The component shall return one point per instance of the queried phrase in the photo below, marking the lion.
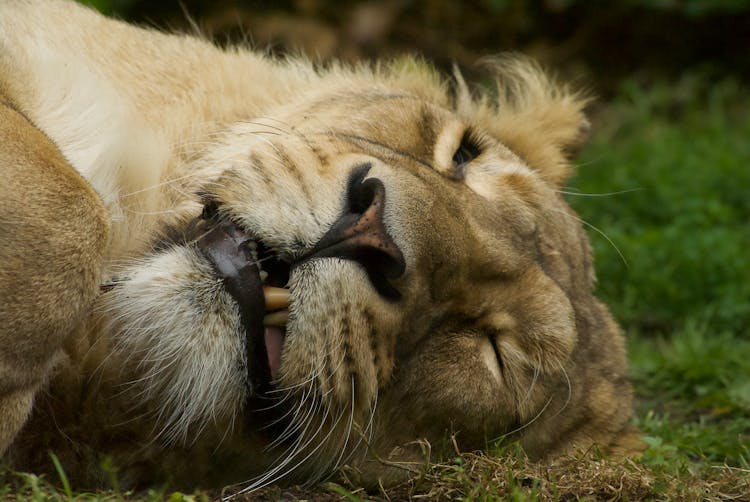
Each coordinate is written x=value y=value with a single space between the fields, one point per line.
x=221 y=267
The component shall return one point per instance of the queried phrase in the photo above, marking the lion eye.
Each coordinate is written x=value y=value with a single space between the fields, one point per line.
x=467 y=151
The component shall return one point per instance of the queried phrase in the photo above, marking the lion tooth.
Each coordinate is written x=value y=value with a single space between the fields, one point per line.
x=276 y=298
x=279 y=318
x=252 y=248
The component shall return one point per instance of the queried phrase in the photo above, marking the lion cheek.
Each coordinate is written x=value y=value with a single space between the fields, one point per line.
x=449 y=388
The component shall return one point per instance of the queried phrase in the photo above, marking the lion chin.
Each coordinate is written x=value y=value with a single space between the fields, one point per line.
x=218 y=267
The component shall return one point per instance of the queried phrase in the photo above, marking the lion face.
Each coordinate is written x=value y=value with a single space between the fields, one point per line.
x=370 y=265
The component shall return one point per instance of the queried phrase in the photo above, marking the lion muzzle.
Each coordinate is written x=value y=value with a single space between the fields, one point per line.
x=360 y=234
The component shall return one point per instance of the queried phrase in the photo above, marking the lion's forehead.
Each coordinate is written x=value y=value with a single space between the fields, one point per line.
x=400 y=121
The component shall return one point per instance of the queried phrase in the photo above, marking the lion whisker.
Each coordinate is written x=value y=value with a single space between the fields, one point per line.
x=527 y=424
x=265 y=482
x=349 y=428
x=531 y=387
x=597 y=230
x=160 y=184
x=605 y=194
x=229 y=430
x=257 y=121
x=303 y=383
x=292 y=427
x=325 y=468
x=287 y=455
x=277 y=401
x=570 y=392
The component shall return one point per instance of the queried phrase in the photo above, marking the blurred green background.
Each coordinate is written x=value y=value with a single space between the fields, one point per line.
x=664 y=184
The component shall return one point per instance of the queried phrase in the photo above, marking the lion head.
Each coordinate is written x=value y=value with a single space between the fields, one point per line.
x=382 y=258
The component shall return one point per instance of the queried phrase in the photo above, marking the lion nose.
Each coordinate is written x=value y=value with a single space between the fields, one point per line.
x=360 y=234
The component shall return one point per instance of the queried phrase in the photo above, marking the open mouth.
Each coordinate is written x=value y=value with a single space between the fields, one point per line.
x=257 y=281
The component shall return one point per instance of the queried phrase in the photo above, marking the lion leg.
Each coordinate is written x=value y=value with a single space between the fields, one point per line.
x=53 y=230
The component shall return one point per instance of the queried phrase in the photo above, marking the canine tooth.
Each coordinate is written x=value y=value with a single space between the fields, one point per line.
x=263 y=275
x=276 y=298
x=279 y=318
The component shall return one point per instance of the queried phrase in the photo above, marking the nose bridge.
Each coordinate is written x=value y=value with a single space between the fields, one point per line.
x=360 y=233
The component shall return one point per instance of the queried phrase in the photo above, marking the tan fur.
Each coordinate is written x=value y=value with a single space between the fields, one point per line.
x=156 y=372
x=54 y=231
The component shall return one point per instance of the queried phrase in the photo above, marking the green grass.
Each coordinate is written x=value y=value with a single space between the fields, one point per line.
x=30 y=487
x=680 y=155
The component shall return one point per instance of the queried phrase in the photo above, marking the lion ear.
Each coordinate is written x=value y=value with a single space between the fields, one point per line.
x=541 y=121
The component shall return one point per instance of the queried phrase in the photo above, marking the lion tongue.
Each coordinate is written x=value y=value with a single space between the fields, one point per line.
x=274 y=338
